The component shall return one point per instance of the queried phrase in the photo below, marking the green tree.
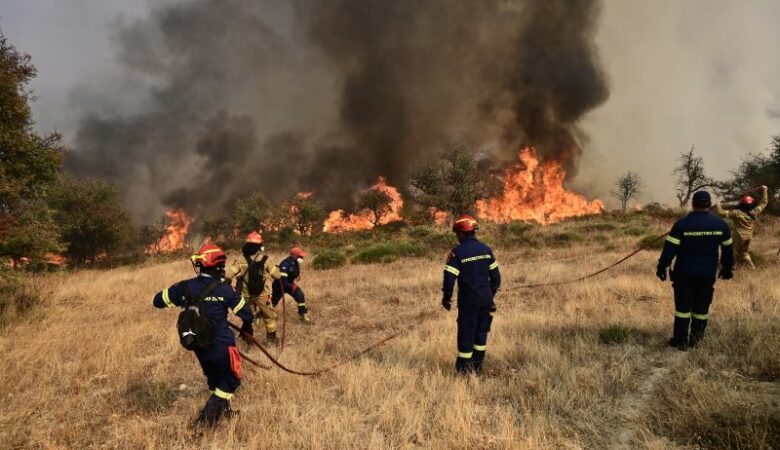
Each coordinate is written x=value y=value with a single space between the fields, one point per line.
x=31 y=233
x=215 y=226
x=755 y=170
x=256 y=212
x=376 y=201
x=91 y=218
x=29 y=163
x=453 y=184
x=307 y=214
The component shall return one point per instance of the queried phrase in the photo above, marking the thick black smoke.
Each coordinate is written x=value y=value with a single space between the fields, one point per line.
x=241 y=95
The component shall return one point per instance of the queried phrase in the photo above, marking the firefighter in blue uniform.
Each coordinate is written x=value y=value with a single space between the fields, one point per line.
x=290 y=271
x=694 y=242
x=475 y=269
x=220 y=361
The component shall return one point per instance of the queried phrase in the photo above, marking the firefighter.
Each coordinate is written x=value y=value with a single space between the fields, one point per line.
x=475 y=268
x=220 y=361
x=743 y=218
x=252 y=286
x=694 y=242
x=290 y=269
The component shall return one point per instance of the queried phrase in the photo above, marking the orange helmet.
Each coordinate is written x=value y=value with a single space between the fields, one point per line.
x=254 y=238
x=297 y=252
x=747 y=200
x=465 y=224
x=209 y=255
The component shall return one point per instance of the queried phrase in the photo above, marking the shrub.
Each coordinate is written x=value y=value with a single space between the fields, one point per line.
x=635 y=230
x=651 y=242
x=518 y=228
x=329 y=259
x=378 y=253
x=564 y=237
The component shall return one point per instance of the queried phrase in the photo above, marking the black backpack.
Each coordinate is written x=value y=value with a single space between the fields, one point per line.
x=194 y=328
x=255 y=277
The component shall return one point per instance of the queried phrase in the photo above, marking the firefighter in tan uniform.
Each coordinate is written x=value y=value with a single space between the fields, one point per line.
x=744 y=218
x=250 y=281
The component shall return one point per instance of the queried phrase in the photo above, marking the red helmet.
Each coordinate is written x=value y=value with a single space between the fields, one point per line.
x=747 y=200
x=297 y=252
x=465 y=224
x=209 y=255
x=254 y=238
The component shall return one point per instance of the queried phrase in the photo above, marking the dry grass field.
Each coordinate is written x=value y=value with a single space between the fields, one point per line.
x=582 y=366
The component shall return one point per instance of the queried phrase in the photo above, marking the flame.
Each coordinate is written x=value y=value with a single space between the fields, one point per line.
x=55 y=259
x=533 y=190
x=338 y=221
x=175 y=232
x=440 y=218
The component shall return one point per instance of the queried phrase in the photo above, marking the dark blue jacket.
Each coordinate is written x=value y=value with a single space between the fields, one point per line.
x=290 y=270
x=694 y=241
x=475 y=268
x=216 y=303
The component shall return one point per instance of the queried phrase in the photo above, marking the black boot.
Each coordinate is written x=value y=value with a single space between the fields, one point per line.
x=680 y=336
x=212 y=411
x=464 y=366
x=270 y=338
x=476 y=360
x=679 y=345
x=697 y=331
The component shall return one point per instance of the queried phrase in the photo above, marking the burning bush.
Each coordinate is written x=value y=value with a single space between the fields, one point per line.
x=533 y=190
x=379 y=207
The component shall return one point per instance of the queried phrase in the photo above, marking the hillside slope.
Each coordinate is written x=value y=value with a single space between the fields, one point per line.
x=578 y=366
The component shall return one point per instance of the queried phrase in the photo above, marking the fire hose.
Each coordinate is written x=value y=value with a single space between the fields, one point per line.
x=248 y=337
x=275 y=360
x=599 y=272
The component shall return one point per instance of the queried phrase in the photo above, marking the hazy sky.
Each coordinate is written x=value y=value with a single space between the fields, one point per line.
x=681 y=73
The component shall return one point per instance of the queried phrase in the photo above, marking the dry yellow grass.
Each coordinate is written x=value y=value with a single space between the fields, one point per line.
x=98 y=367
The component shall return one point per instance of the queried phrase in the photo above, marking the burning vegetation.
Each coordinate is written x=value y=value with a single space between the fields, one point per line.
x=376 y=211
x=175 y=232
x=534 y=191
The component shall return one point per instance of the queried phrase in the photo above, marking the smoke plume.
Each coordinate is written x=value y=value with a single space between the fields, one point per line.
x=225 y=97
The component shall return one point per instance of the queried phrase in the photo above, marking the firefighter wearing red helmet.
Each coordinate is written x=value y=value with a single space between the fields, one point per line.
x=290 y=269
x=249 y=274
x=474 y=267
x=219 y=359
x=743 y=218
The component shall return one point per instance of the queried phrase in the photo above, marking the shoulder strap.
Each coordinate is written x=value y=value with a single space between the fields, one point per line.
x=203 y=294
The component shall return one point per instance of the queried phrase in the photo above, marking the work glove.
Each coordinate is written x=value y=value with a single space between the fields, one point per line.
x=660 y=272
x=246 y=329
x=726 y=273
x=446 y=303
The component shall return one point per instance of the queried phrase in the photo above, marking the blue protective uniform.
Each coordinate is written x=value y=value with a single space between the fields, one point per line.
x=290 y=271
x=214 y=360
x=474 y=267
x=694 y=242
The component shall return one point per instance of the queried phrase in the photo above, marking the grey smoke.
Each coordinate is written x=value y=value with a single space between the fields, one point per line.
x=240 y=95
